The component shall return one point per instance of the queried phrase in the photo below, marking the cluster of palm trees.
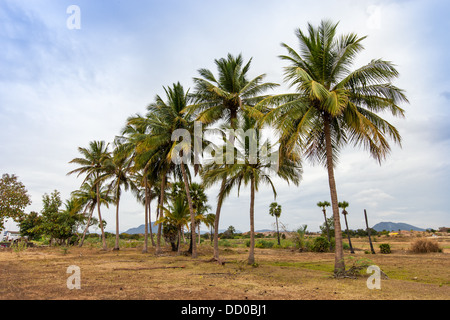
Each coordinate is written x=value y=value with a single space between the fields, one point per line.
x=330 y=106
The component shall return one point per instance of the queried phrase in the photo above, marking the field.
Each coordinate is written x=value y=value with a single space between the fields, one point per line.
x=279 y=274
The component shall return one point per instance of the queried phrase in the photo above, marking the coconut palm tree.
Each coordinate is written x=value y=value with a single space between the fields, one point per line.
x=171 y=118
x=275 y=211
x=118 y=170
x=223 y=98
x=254 y=169
x=176 y=214
x=344 y=205
x=92 y=165
x=333 y=105
x=87 y=195
x=324 y=205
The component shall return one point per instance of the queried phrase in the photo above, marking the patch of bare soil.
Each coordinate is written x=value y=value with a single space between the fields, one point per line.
x=41 y=273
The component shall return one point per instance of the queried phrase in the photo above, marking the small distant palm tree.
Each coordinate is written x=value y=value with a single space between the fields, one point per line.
x=275 y=211
x=344 y=205
x=324 y=205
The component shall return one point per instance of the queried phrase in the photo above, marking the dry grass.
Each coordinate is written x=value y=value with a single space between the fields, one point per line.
x=281 y=274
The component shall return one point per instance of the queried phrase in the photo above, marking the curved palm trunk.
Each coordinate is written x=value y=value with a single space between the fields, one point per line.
x=161 y=213
x=251 y=254
x=105 y=247
x=87 y=227
x=339 y=264
x=191 y=210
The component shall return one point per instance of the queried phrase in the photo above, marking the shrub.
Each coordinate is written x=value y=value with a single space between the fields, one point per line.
x=425 y=246
x=264 y=244
x=320 y=244
x=385 y=248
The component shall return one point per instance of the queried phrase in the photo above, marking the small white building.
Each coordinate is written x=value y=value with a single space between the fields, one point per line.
x=12 y=236
x=2 y=233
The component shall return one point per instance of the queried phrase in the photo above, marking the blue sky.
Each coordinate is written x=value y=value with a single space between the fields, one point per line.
x=61 y=88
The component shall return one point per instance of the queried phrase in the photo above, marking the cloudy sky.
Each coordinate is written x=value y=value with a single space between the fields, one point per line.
x=61 y=88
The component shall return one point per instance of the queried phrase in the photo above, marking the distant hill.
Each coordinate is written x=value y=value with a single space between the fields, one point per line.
x=392 y=226
x=141 y=229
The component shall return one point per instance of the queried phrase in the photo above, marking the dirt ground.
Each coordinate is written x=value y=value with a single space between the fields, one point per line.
x=280 y=274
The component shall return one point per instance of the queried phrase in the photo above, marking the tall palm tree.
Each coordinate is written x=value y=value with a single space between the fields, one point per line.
x=170 y=117
x=117 y=169
x=253 y=169
x=209 y=222
x=223 y=98
x=344 y=205
x=92 y=164
x=334 y=105
x=324 y=206
x=275 y=211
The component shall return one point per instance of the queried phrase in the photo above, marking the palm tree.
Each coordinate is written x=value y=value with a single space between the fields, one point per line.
x=178 y=215
x=250 y=169
x=87 y=195
x=170 y=117
x=224 y=97
x=275 y=211
x=344 y=205
x=333 y=105
x=92 y=164
x=209 y=222
x=324 y=205
x=117 y=168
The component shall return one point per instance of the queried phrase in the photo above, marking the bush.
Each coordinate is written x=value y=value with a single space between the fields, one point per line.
x=264 y=244
x=425 y=246
x=320 y=244
x=385 y=248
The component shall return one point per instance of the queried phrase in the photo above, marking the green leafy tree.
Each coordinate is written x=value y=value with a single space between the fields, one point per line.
x=14 y=199
x=333 y=105
x=27 y=225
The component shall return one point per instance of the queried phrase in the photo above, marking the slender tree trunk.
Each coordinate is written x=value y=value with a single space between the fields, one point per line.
x=368 y=232
x=278 y=232
x=348 y=234
x=116 y=247
x=105 y=247
x=191 y=210
x=150 y=217
x=251 y=254
x=145 y=249
x=216 y=221
x=87 y=227
x=161 y=213
x=328 y=228
x=339 y=264
x=179 y=241
x=199 y=238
